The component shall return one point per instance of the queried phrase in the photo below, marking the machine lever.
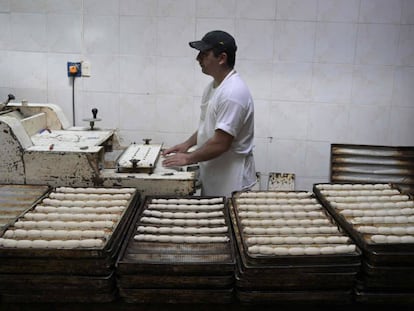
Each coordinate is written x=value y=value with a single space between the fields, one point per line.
x=134 y=163
x=94 y=119
x=94 y=112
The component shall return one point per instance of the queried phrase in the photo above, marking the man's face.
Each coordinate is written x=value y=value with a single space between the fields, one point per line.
x=208 y=61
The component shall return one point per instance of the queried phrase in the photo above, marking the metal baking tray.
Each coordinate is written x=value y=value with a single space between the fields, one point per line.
x=111 y=244
x=389 y=258
x=373 y=164
x=387 y=277
x=172 y=296
x=258 y=270
x=86 y=261
x=69 y=266
x=386 y=249
x=249 y=259
x=176 y=258
x=387 y=298
x=59 y=296
x=28 y=282
x=175 y=281
x=293 y=279
x=15 y=200
x=342 y=297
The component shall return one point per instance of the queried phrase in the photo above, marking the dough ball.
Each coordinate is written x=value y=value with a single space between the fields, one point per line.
x=378 y=238
x=312 y=250
x=24 y=244
x=295 y=251
x=327 y=250
x=40 y=244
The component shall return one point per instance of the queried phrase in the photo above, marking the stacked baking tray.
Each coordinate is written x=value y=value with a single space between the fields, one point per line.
x=64 y=248
x=179 y=250
x=290 y=250
x=15 y=200
x=381 y=221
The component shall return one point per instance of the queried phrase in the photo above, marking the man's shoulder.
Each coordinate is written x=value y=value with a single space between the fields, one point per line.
x=235 y=88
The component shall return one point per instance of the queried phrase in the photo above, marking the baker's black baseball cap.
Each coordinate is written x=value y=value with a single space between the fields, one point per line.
x=214 y=39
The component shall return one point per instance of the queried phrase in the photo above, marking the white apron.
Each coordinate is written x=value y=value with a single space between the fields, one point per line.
x=224 y=174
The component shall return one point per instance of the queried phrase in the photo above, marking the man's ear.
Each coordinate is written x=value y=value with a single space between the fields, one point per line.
x=223 y=58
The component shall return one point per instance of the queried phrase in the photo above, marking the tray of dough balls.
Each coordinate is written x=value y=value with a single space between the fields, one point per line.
x=16 y=199
x=75 y=224
x=289 y=227
x=379 y=216
x=291 y=277
x=175 y=235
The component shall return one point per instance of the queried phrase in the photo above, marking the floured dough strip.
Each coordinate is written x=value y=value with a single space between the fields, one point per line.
x=373 y=192
x=395 y=230
x=181 y=230
x=58 y=224
x=182 y=222
x=153 y=213
x=300 y=250
x=188 y=201
x=287 y=214
x=282 y=207
x=290 y=230
x=79 y=203
x=353 y=186
x=276 y=201
x=186 y=207
x=48 y=234
x=373 y=205
x=389 y=239
x=275 y=240
x=53 y=244
x=275 y=194
x=70 y=216
x=95 y=190
x=180 y=238
x=382 y=220
x=378 y=198
x=79 y=210
x=375 y=212
x=284 y=222
x=89 y=196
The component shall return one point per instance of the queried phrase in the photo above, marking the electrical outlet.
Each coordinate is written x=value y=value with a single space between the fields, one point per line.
x=86 y=69
x=74 y=69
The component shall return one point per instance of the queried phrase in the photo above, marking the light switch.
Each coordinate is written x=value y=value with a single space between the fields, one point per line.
x=86 y=69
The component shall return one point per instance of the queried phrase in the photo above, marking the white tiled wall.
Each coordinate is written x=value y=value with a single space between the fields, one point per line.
x=321 y=71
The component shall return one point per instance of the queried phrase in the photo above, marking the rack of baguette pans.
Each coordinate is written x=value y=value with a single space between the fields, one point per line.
x=63 y=246
x=178 y=250
x=341 y=243
x=289 y=249
x=380 y=219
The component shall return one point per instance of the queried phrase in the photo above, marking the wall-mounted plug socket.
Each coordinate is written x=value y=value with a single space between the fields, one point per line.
x=74 y=69
x=86 y=69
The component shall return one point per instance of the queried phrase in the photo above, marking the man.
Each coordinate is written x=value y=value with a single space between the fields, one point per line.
x=225 y=134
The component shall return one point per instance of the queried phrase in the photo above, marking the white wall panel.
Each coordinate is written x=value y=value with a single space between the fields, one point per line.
x=320 y=71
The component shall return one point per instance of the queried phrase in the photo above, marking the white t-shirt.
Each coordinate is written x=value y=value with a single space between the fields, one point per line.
x=230 y=108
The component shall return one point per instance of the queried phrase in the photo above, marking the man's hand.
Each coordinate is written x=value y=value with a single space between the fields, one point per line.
x=177 y=159
x=176 y=149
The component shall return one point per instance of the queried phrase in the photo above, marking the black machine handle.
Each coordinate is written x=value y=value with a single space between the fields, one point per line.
x=94 y=112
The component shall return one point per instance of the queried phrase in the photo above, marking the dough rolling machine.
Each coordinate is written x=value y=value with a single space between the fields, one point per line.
x=41 y=147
